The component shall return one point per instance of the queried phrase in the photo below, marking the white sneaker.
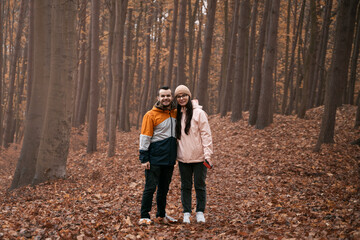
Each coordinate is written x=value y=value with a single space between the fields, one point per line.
x=186 y=218
x=200 y=217
x=145 y=221
x=171 y=219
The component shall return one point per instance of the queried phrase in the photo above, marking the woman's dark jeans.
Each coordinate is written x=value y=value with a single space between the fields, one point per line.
x=188 y=171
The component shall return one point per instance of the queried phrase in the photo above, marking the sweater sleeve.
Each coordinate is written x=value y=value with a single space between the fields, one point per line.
x=147 y=129
x=205 y=132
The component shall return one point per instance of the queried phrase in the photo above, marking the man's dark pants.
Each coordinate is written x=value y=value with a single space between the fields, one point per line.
x=160 y=177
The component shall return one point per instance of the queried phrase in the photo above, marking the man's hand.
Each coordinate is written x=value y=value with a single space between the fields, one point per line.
x=146 y=165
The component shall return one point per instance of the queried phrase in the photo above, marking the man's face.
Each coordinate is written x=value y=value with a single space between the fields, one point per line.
x=165 y=97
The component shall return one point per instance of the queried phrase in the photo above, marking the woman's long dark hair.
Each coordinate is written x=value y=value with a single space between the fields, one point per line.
x=189 y=113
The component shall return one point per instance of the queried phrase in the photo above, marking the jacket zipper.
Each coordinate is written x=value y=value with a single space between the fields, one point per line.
x=171 y=123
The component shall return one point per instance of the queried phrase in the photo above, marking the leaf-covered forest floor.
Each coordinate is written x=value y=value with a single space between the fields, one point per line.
x=266 y=184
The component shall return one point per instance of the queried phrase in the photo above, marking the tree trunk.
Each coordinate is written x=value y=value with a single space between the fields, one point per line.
x=338 y=70
x=140 y=72
x=205 y=61
x=357 y=117
x=292 y=60
x=351 y=23
x=147 y=67
x=1 y=73
x=121 y=8
x=310 y=62
x=82 y=56
x=54 y=144
x=94 y=75
x=139 y=76
x=110 y=77
x=120 y=56
x=83 y=107
x=9 y=121
x=354 y=60
x=192 y=19
x=125 y=89
x=19 y=96
x=243 y=35
x=181 y=76
x=25 y=168
x=225 y=53
x=266 y=95
x=155 y=76
x=135 y=59
x=198 y=47
x=226 y=86
x=30 y=68
x=286 y=80
x=322 y=54
x=172 y=44
x=251 y=55
x=254 y=103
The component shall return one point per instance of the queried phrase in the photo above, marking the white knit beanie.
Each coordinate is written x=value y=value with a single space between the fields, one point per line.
x=182 y=89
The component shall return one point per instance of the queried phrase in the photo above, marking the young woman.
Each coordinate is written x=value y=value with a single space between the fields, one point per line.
x=194 y=147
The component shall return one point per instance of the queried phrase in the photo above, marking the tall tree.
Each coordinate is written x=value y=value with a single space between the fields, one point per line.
x=144 y=98
x=1 y=71
x=198 y=48
x=172 y=44
x=181 y=76
x=157 y=29
x=338 y=70
x=125 y=89
x=296 y=38
x=286 y=80
x=320 y=67
x=120 y=16
x=310 y=62
x=357 y=117
x=254 y=103
x=136 y=59
x=30 y=68
x=354 y=60
x=26 y=165
x=266 y=95
x=240 y=70
x=192 y=18
x=251 y=55
x=9 y=121
x=16 y=130
x=226 y=86
x=79 y=108
x=94 y=81
x=84 y=97
x=110 y=77
x=225 y=53
x=202 y=90
x=54 y=143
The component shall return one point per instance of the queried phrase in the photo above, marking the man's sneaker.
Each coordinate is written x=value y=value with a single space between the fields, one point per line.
x=170 y=219
x=200 y=217
x=162 y=220
x=145 y=221
x=186 y=218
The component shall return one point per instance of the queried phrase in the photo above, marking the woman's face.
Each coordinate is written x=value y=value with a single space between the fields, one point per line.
x=182 y=99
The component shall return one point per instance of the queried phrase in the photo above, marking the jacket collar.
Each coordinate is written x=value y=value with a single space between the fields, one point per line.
x=159 y=106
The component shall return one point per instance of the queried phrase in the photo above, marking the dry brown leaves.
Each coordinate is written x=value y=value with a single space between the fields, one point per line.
x=266 y=184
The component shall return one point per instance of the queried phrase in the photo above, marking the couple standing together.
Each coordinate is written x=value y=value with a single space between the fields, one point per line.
x=171 y=133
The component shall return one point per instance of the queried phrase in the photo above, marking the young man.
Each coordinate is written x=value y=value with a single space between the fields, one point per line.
x=158 y=155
